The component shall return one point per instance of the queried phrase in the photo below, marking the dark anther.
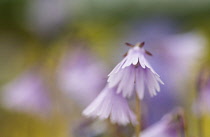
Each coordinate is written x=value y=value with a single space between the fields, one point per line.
x=125 y=54
x=128 y=44
x=148 y=53
x=141 y=44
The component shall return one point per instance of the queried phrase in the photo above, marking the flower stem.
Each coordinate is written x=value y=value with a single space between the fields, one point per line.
x=200 y=126
x=186 y=131
x=185 y=126
x=116 y=131
x=138 y=115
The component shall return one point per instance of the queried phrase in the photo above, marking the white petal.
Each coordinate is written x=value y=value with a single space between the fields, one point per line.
x=152 y=82
x=114 y=79
x=118 y=67
x=135 y=59
x=140 y=82
x=142 y=61
x=95 y=104
x=110 y=104
x=128 y=89
x=122 y=84
x=128 y=61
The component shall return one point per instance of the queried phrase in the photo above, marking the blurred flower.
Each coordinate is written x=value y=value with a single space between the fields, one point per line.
x=27 y=93
x=179 y=53
x=171 y=125
x=47 y=17
x=202 y=103
x=81 y=77
x=135 y=71
x=113 y=105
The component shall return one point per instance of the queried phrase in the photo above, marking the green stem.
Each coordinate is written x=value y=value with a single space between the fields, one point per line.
x=200 y=126
x=138 y=116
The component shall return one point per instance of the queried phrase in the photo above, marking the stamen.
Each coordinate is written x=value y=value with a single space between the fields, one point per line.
x=141 y=44
x=148 y=53
x=125 y=54
x=128 y=44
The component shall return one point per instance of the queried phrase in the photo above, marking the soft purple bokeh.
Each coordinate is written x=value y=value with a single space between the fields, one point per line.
x=171 y=125
x=81 y=77
x=48 y=17
x=27 y=93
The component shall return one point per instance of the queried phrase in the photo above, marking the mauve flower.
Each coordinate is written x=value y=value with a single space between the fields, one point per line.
x=81 y=77
x=134 y=73
x=27 y=93
x=179 y=53
x=171 y=125
x=109 y=104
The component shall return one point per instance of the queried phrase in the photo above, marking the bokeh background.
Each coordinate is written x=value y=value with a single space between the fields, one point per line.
x=55 y=56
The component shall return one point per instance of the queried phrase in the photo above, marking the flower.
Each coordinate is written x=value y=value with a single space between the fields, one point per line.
x=134 y=73
x=27 y=93
x=80 y=77
x=109 y=104
x=177 y=52
x=171 y=125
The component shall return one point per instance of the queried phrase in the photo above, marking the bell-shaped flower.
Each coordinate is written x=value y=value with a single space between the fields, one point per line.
x=135 y=73
x=109 y=104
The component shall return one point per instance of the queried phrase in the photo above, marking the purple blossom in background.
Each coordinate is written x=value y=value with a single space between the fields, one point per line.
x=113 y=105
x=81 y=77
x=134 y=73
x=27 y=93
x=48 y=17
x=171 y=125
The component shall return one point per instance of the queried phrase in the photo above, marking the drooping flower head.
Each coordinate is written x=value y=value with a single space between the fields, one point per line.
x=27 y=93
x=132 y=73
x=135 y=73
x=171 y=125
x=109 y=104
x=173 y=52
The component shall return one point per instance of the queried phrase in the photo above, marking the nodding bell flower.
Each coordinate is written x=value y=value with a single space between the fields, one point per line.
x=132 y=73
x=171 y=125
x=109 y=104
x=135 y=73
